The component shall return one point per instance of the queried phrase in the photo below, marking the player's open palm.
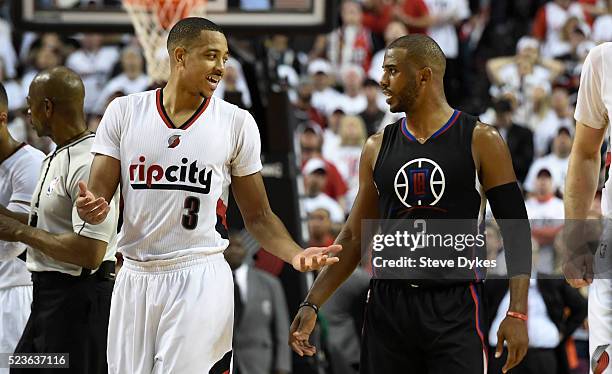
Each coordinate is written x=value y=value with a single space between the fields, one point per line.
x=90 y=209
x=315 y=258
x=514 y=332
x=299 y=333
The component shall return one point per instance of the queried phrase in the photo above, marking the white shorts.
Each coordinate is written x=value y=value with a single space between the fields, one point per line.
x=172 y=317
x=600 y=325
x=15 y=306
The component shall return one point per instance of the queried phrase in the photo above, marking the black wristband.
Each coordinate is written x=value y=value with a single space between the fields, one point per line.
x=311 y=305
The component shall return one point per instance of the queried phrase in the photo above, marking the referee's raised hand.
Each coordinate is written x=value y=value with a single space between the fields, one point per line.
x=90 y=209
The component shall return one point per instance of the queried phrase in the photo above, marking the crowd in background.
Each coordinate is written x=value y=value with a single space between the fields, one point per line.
x=515 y=63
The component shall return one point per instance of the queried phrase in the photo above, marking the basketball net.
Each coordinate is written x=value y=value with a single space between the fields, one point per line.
x=152 y=20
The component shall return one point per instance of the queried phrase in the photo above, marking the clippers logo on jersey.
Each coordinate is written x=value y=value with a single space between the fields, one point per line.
x=186 y=177
x=419 y=182
x=173 y=141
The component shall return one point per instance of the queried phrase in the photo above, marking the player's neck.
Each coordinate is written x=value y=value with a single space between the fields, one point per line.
x=8 y=147
x=428 y=117
x=177 y=99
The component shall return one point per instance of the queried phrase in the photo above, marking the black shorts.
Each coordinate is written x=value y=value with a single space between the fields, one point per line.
x=69 y=315
x=423 y=330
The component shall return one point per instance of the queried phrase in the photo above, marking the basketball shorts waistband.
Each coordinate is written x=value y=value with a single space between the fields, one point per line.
x=172 y=264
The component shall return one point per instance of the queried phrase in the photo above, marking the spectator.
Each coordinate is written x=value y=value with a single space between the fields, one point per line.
x=344 y=315
x=556 y=162
x=331 y=135
x=549 y=113
x=518 y=138
x=16 y=98
x=94 y=63
x=372 y=115
x=352 y=42
x=556 y=310
x=441 y=19
x=323 y=96
x=519 y=75
x=549 y=22
x=545 y=211
x=315 y=176
x=415 y=15
x=304 y=110
x=43 y=58
x=495 y=249
x=233 y=87
x=279 y=53
x=393 y=31
x=353 y=101
x=131 y=80
x=7 y=51
x=353 y=136
x=377 y=14
x=320 y=228
x=602 y=28
x=310 y=147
x=261 y=318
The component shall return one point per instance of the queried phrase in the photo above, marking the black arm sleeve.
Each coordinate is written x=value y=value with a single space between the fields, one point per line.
x=509 y=211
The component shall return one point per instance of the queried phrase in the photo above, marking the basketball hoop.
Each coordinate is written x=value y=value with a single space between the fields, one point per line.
x=152 y=20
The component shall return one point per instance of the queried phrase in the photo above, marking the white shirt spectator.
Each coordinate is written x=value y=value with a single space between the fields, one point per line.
x=123 y=84
x=336 y=213
x=602 y=29
x=541 y=329
x=445 y=34
x=545 y=129
x=351 y=105
x=551 y=17
x=94 y=69
x=376 y=70
x=7 y=52
x=16 y=99
x=557 y=167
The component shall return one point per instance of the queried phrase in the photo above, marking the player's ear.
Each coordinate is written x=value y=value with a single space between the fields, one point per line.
x=179 y=55
x=425 y=75
x=48 y=107
x=3 y=117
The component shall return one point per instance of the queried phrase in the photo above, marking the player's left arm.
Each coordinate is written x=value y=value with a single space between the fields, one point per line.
x=250 y=194
x=494 y=167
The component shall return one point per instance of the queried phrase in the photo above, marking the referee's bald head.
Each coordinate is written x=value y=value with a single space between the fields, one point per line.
x=60 y=85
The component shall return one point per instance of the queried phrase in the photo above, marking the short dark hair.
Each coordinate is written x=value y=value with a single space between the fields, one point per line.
x=188 y=29
x=3 y=98
x=421 y=49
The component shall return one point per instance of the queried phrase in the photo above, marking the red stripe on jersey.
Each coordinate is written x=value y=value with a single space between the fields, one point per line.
x=221 y=210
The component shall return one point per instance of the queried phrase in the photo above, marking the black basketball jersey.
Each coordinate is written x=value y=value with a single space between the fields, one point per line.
x=433 y=180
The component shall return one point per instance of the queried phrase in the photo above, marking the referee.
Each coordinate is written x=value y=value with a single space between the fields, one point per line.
x=72 y=263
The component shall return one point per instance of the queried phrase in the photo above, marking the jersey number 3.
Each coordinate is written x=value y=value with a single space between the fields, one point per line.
x=190 y=220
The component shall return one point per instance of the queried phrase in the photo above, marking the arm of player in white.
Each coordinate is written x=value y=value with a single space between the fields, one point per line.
x=95 y=195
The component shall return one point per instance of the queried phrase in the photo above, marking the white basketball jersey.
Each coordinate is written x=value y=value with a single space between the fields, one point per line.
x=175 y=180
x=18 y=176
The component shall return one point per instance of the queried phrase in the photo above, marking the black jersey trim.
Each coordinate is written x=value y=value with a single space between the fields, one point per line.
x=159 y=101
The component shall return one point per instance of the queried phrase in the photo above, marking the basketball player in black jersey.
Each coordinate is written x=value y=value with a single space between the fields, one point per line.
x=429 y=328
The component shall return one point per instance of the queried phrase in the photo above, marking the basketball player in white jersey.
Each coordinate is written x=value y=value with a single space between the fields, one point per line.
x=593 y=114
x=19 y=169
x=176 y=150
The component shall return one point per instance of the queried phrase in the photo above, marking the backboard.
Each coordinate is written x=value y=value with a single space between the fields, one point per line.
x=235 y=16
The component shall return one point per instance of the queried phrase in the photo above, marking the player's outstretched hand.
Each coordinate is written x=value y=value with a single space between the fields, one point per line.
x=90 y=209
x=299 y=333
x=514 y=332
x=315 y=258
